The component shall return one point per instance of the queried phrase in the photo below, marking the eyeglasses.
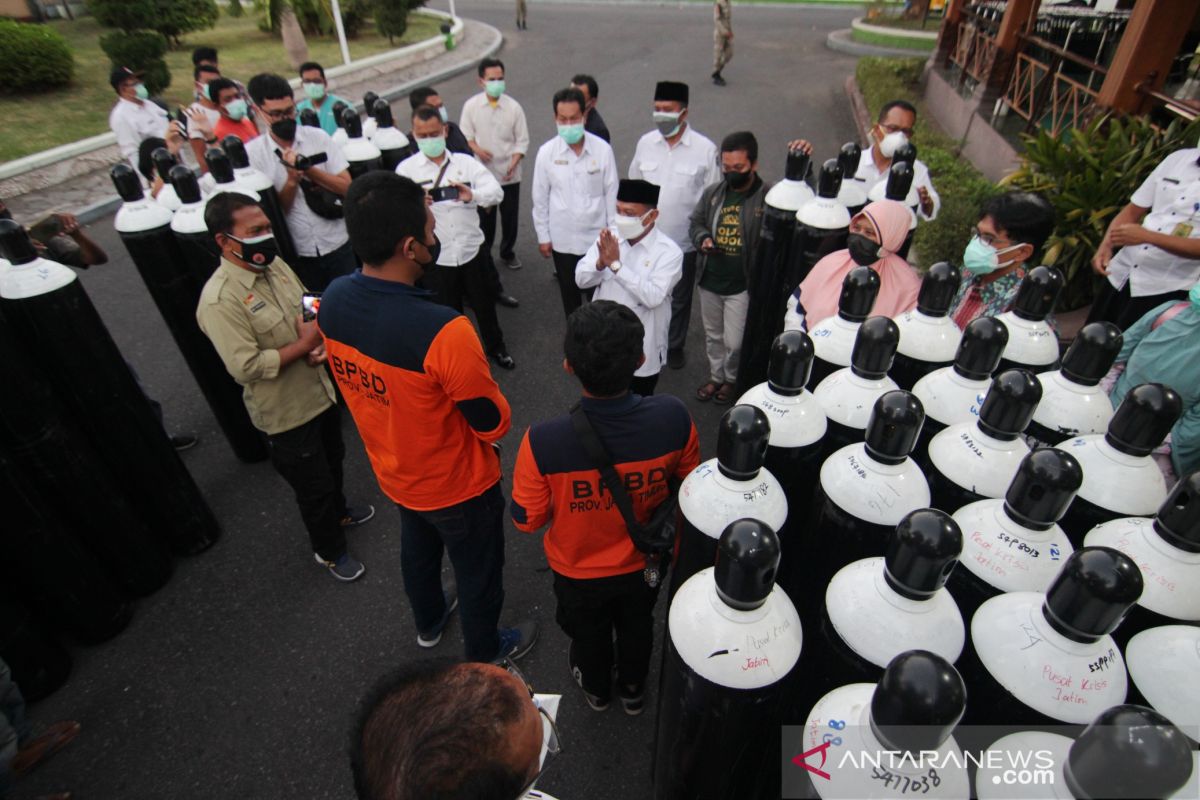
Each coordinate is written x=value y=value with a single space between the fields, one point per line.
x=279 y=116
x=990 y=240
x=896 y=128
x=554 y=744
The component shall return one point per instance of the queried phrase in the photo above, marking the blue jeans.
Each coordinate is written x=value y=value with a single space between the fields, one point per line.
x=14 y=728
x=472 y=534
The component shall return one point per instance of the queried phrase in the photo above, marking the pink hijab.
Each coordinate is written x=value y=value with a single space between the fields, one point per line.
x=899 y=284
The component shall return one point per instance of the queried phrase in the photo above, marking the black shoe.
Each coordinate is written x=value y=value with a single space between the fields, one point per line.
x=676 y=359
x=517 y=640
x=502 y=358
x=717 y=79
x=595 y=702
x=507 y=300
x=184 y=441
x=633 y=698
x=357 y=515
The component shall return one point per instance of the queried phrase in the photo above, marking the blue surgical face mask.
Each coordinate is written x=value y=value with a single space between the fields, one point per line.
x=141 y=91
x=571 y=134
x=494 y=88
x=1194 y=296
x=442 y=113
x=981 y=259
x=236 y=109
x=432 y=147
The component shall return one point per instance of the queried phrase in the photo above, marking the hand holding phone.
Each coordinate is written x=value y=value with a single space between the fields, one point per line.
x=310 y=305
x=443 y=193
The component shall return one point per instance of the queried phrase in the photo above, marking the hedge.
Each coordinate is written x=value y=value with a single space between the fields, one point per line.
x=33 y=58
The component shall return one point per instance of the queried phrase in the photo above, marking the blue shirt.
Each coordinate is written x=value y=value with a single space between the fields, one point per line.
x=325 y=112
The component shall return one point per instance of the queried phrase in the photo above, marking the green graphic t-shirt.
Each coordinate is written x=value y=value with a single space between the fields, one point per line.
x=724 y=272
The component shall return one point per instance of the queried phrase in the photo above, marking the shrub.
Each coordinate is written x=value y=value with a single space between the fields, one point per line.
x=173 y=18
x=33 y=57
x=141 y=51
x=125 y=15
x=235 y=9
x=391 y=18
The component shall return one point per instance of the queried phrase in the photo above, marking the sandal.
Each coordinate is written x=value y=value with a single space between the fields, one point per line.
x=706 y=392
x=724 y=395
x=56 y=737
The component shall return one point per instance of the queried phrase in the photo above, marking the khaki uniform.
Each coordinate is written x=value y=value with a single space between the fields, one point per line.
x=722 y=28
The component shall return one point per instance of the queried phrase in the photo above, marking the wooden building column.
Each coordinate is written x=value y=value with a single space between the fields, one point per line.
x=1017 y=19
x=948 y=34
x=1151 y=40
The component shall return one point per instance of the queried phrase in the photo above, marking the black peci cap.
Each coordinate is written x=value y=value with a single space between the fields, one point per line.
x=875 y=347
x=894 y=426
x=219 y=165
x=185 y=183
x=1178 y=518
x=1091 y=355
x=310 y=118
x=899 y=182
x=351 y=123
x=742 y=442
x=922 y=553
x=127 y=182
x=797 y=165
x=860 y=287
x=15 y=244
x=236 y=150
x=918 y=702
x=791 y=363
x=1092 y=593
x=381 y=110
x=671 y=91
x=905 y=153
x=1144 y=419
x=163 y=161
x=1009 y=404
x=829 y=182
x=747 y=559
x=979 y=351
x=1043 y=488
x=938 y=288
x=1128 y=752
x=848 y=157
x=1038 y=293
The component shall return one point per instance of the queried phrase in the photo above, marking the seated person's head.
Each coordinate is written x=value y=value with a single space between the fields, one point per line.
x=879 y=230
x=603 y=347
x=432 y=731
x=1011 y=231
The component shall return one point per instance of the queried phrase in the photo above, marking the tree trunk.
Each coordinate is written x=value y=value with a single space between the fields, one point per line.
x=294 y=43
x=916 y=9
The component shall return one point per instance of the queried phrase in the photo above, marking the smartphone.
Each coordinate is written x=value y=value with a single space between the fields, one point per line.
x=310 y=304
x=442 y=193
x=182 y=119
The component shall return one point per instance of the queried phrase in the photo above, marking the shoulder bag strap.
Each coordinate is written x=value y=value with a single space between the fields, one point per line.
x=603 y=461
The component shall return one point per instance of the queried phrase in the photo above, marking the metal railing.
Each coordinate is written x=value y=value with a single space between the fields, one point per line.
x=974 y=51
x=1041 y=93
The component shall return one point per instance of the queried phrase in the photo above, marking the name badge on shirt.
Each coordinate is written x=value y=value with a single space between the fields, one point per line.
x=562 y=162
x=1183 y=229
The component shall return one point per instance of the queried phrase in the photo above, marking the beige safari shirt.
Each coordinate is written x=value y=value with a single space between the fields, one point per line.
x=248 y=316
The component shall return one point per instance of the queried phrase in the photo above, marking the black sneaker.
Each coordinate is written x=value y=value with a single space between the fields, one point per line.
x=717 y=79
x=357 y=515
x=632 y=697
x=507 y=300
x=518 y=640
x=502 y=358
x=184 y=441
x=676 y=359
x=595 y=702
x=431 y=637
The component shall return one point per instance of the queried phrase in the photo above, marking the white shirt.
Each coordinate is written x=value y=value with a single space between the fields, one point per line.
x=681 y=173
x=134 y=123
x=1172 y=193
x=574 y=196
x=455 y=223
x=871 y=175
x=313 y=235
x=499 y=129
x=649 y=271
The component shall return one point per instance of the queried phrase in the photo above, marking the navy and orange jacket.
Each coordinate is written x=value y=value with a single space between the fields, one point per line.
x=649 y=440
x=418 y=385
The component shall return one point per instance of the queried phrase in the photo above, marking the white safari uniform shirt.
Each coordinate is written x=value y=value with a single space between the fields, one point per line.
x=649 y=271
x=455 y=223
x=574 y=196
x=499 y=129
x=872 y=175
x=133 y=124
x=313 y=234
x=681 y=173
x=1172 y=193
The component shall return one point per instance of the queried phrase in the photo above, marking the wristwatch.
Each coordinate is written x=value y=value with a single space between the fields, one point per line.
x=615 y=267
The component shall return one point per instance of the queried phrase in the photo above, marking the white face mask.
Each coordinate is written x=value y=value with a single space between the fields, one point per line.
x=630 y=228
x=889 y=144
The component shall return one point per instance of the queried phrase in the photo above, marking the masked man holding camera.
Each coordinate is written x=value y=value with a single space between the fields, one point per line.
x=311 y=175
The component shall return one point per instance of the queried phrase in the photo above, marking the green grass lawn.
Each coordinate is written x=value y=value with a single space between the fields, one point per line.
x=33 y=123
x=884 y=40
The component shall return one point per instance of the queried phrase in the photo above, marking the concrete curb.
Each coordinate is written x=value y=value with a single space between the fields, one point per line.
x=842 y=42
x=858 y=107
x=917 y=36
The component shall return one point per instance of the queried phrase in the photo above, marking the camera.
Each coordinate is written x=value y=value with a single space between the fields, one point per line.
x=444 y=193
x=304 y=162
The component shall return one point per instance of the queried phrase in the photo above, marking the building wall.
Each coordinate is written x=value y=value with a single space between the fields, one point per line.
x=960 y=117
x=15 y=9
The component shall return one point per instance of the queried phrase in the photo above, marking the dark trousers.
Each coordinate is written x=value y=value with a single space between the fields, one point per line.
x=451 y=284
x=317 y=272
x=309 y=458
x=681 y=304
x=1120 y=307
x=472 y=534
x=644 y=385
x=591 y=611
x=508 y=210
x=564 y=269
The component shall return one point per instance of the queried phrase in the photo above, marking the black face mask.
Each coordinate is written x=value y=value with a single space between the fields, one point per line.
x=284 y=129
x=434 y=249
x=738 y=181
x=862 y=250
x=258 y=252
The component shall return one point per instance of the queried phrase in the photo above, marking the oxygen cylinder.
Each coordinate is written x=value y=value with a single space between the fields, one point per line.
x=221 y=169
x=200 y=252
x=57 y=324
x=268 y=197
x=853 y=194
x=1032 y=652
x=369 y=126
x=339 y=136
x=1073 y=404
x=848 y=396
x=822 y=224
x=1032 y=343
x=732 y=486
x=928 y=337
x=311 y=118
x=1167 y=551
x=1162 y=665
x=38 y=663
x=769 y=287
x=833 y=337
x=1120 y=478
x=733 y=640
x=163 y=162
x=362 y=155
x=391 y=142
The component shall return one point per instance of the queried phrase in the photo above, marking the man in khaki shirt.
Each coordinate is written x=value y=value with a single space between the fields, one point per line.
x=250 y=310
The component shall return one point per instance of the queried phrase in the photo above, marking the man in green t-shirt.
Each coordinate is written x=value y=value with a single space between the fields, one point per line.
x=318 y=98
x=725 y=230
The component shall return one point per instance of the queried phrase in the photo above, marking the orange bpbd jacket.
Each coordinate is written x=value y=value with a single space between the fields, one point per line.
x=415 y=378
x=649 y=439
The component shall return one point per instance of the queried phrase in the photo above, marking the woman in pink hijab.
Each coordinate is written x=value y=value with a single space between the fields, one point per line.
x=876 y=233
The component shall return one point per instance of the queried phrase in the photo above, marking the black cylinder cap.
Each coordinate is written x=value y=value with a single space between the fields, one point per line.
x=219 y=165
x=129 y=186
x=1091 y=355
x=797 y=165
x=369 y=100
x=310 y=118
x=922 y=553
x=1144 y=419
x=1009 y=405
x=185 y=183
x=979 y=351
x=1043 y=488
x=352 y=123
x=860 y=287
x=899 y=182
x=747 y=559
x=848 y=157
x=918 y=702
x=15 y=244
x=905 y=153
x=382 y=111
x=1178 y=518
x=791 y=363
x=830 y=181
x=742 y=442
x=1092 y=593
x=163 y=161
x=1128 y=752
x=938 y=288
x=236 y=150
x=1038 y=293
x=339 y=109
x=875 y=347
x=894 y=426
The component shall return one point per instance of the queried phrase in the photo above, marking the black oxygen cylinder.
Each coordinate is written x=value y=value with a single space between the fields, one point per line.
x=57 y=324
x=369 y=126
x=310 y=118
x=769 y=287
x=221 y=168
x=725 y=673
x=1073 y=404
x=899 y=188
x=822 y=224
x=163 y=162
x=157 y=255
x=199 y=249
x=268 y=197
x=38 y=663
x=853 y=194
x=362 y=155
x=928 y=337
x=848 y=395
x=834 y=338
x=392 y=143
x=1032 y=343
